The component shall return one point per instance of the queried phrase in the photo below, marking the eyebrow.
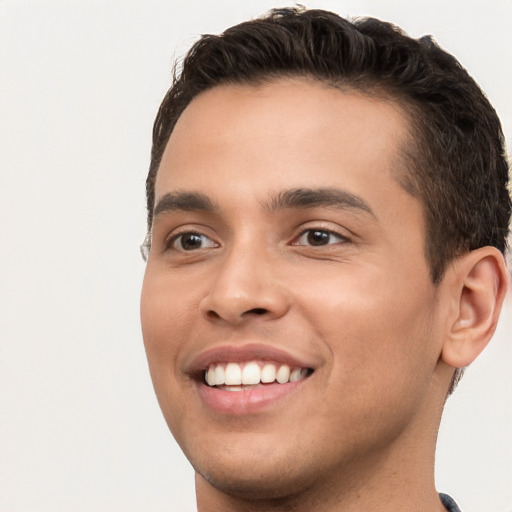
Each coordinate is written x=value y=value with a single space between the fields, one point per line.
x=296 y=198
x=184 y=201
x=302 y=198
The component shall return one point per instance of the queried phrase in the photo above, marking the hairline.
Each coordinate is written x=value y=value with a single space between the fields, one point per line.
x=406 y=165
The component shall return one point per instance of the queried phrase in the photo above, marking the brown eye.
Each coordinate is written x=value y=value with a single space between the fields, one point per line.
x=191 y=242
x=319 y=237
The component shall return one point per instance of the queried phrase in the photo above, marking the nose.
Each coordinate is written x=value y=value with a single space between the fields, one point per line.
x=245 y=286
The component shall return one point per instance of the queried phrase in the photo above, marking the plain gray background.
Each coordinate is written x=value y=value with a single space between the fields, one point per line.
x=80 y=83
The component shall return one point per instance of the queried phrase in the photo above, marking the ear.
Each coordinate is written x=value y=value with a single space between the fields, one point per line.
x=480 y=282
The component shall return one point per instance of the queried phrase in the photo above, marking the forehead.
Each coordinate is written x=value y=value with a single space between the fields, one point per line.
x=289 y=129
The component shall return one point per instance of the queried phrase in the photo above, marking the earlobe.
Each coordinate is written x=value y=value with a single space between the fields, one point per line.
x=480 y=285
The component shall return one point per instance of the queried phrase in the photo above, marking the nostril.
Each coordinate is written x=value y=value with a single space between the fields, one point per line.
x=213 y=315
x=257 y=311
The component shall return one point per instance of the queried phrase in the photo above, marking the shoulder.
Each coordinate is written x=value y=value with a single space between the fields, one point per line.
x=449 y=503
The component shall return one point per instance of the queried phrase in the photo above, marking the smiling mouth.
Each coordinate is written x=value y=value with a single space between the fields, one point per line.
x=233 y=376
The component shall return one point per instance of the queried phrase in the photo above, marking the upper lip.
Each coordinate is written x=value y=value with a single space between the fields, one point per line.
x=245 y=352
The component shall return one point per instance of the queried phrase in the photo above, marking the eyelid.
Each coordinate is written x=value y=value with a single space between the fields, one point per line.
x=343 y=233
x=340 y=238
x=176 y=236
x=177 y=231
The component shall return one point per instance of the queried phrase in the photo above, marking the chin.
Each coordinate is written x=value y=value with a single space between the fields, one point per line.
x=251 y=466
x=254 y=482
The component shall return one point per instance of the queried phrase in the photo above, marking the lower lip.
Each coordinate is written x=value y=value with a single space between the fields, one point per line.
x=246 y=401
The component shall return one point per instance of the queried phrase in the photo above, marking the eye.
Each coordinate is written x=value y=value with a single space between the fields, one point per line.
x=191 y=241
x=319 y=237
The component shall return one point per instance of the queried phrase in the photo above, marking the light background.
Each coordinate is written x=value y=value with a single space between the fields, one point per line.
x=80 y=83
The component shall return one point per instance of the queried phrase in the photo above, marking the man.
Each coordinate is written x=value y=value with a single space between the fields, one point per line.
x=327 y=213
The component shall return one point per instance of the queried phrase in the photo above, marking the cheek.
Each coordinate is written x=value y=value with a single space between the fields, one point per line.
x=165 y=312
x=163 y=327
x=378 y=331
x=165 y=320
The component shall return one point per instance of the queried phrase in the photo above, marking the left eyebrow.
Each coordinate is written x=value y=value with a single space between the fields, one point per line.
x=303 y=198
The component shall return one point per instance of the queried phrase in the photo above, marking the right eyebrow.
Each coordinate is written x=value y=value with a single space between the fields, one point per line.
x=184 y=201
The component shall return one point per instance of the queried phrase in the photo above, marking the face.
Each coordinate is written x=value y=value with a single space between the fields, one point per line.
x=289 y=319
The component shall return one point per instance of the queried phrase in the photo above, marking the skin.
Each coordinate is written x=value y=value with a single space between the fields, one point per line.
x=360 y=432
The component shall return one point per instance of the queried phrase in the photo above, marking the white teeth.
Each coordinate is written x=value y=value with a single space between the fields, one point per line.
x=210 y=376
x=283 y=374
x=232 y=388
x=295 y=375
x=268 y=373
x=233 y=375
x=251 y=374
x=220 y=375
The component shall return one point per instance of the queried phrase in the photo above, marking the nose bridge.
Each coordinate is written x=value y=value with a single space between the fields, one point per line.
x=245 y=284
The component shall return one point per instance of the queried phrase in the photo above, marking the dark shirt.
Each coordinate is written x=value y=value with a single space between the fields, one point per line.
x=448 y=503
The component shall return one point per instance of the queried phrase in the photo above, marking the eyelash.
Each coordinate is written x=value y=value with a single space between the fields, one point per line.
x=171 y=244
x=328 y=232
x=180 y=236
